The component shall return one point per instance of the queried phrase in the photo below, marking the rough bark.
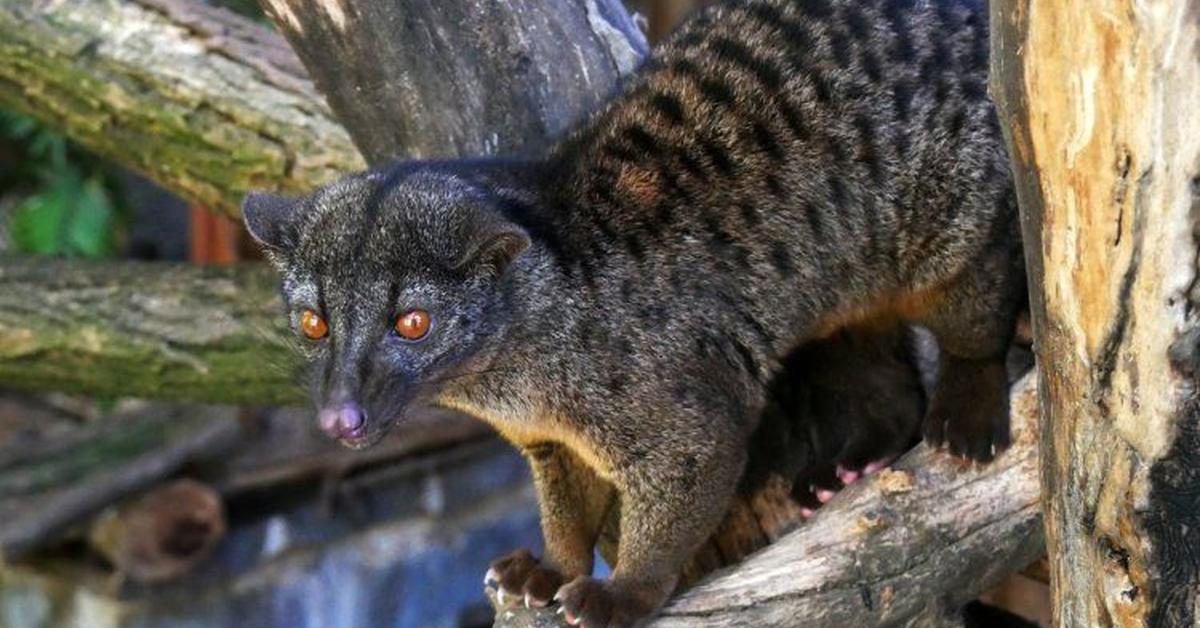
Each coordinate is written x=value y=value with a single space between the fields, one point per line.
x=897 y=549
x=1099 y=106
x=431 y=78
x=145 y=330
x=205 y=102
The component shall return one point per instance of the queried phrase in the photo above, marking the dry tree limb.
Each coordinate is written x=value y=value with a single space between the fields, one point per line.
x=899 y=548
x=442 y=78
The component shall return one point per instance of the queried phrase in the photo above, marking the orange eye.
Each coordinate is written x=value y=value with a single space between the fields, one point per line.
x=313 y=325
x=413 y=324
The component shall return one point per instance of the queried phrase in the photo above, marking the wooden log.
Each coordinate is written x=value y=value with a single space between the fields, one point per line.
x=163 y=534
x=1098 y=101
x=438 y=78
x=47 y=486
x=909 y=546
x=146 y=330
x=205 y=102
x=53 y=480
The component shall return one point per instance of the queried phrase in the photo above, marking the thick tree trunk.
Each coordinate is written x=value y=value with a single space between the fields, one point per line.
x=907 y=547
x=431 y=78
x=1099 y=101
x=205 y=102
x=145 y=330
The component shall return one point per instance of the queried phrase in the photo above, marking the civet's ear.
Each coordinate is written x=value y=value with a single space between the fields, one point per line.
x=492 y=245
x=269 y=219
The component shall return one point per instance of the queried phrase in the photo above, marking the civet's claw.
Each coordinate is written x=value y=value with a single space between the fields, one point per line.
x=847 y=476
x=877 y=466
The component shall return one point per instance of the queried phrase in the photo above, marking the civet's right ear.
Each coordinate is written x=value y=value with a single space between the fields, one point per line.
x=269 y=219
x=490 y=242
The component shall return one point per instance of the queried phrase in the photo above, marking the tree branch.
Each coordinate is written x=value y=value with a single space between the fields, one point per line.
x=491 y=78
x=894 y=549
x=205 y=102
x=146 y=330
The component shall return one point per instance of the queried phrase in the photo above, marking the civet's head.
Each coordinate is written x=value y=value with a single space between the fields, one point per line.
x=392 y=282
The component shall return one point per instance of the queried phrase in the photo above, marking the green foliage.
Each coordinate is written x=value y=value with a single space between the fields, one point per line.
x=65 y=199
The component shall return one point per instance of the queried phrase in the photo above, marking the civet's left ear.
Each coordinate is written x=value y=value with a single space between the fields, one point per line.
x=492 y=244
x=269 y=219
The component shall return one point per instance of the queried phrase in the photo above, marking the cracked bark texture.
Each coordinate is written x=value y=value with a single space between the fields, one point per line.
x=491 y=77
x=906 y=547
x=205 y=102
x=1098 y=102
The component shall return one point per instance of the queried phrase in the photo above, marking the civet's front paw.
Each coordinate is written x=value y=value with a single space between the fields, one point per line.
x=592 y=603
x=520 y=578
x=969 y=414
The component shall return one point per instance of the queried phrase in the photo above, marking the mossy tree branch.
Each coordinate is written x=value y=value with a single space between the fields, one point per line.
x=205 y=102
x=147 y=330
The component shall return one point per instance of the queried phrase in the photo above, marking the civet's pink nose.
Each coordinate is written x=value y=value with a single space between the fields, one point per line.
x=343 y=421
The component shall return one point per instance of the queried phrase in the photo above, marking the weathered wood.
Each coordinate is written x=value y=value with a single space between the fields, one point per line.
x=205 y=102
x=146 y=330
x=1098 y=101
x=896 y=549
x=432 y=78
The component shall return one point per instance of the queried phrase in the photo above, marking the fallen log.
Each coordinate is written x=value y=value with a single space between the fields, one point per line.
x=163 y=534
x=908 y=546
